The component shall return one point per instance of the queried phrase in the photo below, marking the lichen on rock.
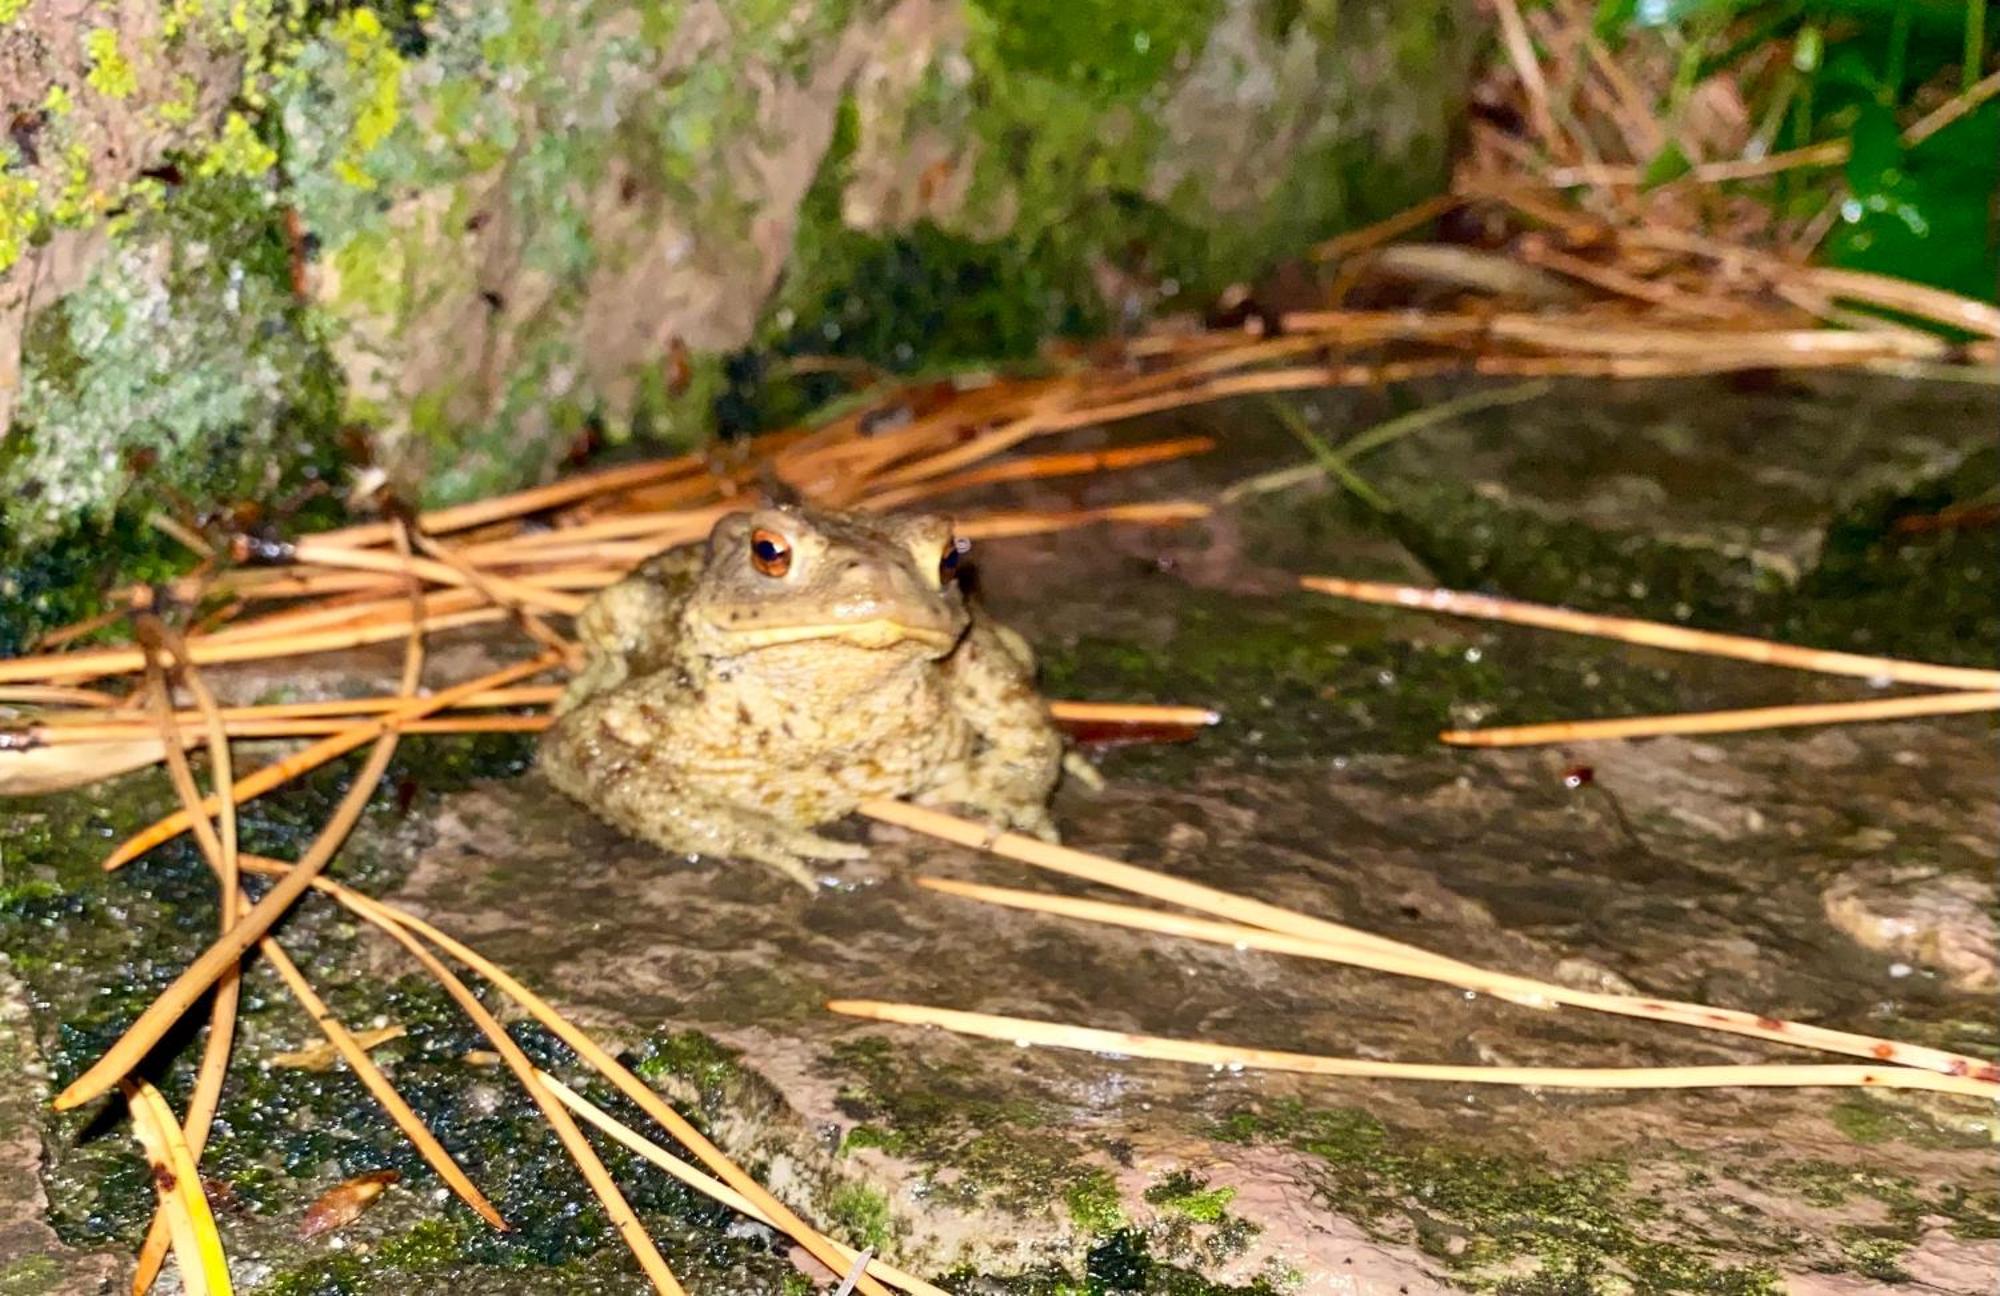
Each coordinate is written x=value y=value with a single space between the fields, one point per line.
x=177 y=359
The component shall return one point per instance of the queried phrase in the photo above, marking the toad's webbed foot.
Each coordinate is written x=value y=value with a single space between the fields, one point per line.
x=787 y=850
x=1077 y=767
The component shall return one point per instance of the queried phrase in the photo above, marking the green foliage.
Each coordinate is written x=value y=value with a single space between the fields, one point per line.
x=1862 y=72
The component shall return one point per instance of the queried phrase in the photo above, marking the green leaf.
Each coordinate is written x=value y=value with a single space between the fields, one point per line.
x=1808 y=49
x=1877 y=149
x=1922 y=214
x=1670 y=163
x=1613 y=18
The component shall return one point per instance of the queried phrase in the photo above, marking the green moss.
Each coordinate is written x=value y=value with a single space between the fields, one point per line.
x=11 y=9
x=1092 y=1202
x=872 y=1136
x=973 y=1145
x=1889 y=582
x=1186 y=1194
x=1499 y=1219
x=689 y=1056
x=378 y=69
x=1110 y=49
x=238 y=152
x=862 y=1213
x=20 y=216
x=1876 y=1257
x=110 y=72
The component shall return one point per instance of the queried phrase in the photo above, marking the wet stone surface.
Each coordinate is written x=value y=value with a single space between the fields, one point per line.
x=1755 y=871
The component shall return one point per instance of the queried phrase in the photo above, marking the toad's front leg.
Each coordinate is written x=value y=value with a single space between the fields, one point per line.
x=1012 y=771
x=630 y=628
x=638 y=788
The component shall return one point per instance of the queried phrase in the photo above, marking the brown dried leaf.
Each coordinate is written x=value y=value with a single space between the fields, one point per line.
x=322 y=1056
x=343 y=1203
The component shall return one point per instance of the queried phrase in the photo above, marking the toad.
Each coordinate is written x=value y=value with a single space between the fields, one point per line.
x=735 y=696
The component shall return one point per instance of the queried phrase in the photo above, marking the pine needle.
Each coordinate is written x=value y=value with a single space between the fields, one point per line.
x=1653 y=634
x=1022 y=1030
x=190 y=1224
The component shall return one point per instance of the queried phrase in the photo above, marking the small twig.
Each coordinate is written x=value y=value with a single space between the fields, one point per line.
x=121 y=661
x=1521 y=55
x=854 y=1274
x=180 y=531
x=508 y=594
x=1005 y=525
x=1133 y=713
x=313 y=552
x=1388 y=228
x=1072 y=464
x=1327 y=460
x=463 y=517
x=59 y=695
x=80 y=734
x=1954 y=108
x=227 y=951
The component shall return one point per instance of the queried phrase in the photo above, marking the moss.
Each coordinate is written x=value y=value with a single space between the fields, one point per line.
x=862 y=1213
x=20 y=215
x=1186 y=1194
x=110 y=72
x=1889 y=580
x=1092 y=1202
x=378 y=69
x=974 y=1146
x=1510 y=1221
x=1876 y=1257
x=1878 y=1118
x=872 y=1136
x=1123 y=1262
x=177 y=371
x=1296 y=676
x=34 y=1275
x=690 y=1056
x=238 y=152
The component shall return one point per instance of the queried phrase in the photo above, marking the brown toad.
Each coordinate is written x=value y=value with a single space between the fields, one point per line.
x=736 y=695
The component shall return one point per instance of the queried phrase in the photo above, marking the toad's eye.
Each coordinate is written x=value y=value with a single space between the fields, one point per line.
x=770 y=553
x=955 y=550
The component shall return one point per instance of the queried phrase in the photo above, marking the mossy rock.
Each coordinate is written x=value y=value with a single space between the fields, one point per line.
x=476 y=236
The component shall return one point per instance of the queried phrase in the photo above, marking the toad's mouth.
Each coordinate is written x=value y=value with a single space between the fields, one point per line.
x=880 y=632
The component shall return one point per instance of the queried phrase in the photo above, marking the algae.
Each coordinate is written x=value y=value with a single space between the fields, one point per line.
x=1583 y=1229
x=975 y=1148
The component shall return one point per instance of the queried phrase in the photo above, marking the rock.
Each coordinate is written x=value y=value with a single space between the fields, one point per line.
x=32 y=1259
x=1687 y=870
x=503 y=219
x=1939 y=921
